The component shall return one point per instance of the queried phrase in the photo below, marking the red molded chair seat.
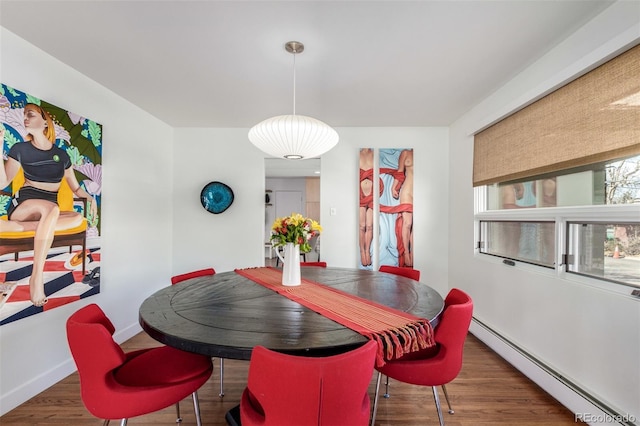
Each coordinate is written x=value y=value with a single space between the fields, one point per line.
x=439 y=367
x=193 y=274
x=119 y=385
x=414 y=274
x=287 y=390
x=148 y=367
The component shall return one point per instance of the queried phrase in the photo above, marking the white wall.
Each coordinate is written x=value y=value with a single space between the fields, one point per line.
x=234 y=238
x=137 y=195
x=589 y=335
x=339 y=189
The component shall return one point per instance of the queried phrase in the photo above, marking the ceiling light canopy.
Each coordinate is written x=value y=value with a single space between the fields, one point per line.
x=293 y=136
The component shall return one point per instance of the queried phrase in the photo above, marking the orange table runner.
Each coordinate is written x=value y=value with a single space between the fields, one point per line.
x=395 y=331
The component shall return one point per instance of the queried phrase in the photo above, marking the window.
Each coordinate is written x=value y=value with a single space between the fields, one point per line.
x=609 y=251
x=591 y=217
x=615 y=182
x=526 y=241
x=558 y=181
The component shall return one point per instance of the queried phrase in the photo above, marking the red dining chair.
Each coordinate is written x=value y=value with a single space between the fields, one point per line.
x=288 y=390
x=193 y=274
x=196 y=274
x=319 y=264
x=414 y=274
x=403 y=271
x=440 y=365
x=119 y=385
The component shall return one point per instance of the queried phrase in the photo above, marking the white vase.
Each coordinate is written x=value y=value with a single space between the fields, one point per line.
x=291 y=264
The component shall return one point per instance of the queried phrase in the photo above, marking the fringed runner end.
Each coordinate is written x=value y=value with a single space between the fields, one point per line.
x=425 y=334
x=393 y=344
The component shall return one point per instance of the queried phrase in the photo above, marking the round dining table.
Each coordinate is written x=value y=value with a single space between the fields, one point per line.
x=226 y=315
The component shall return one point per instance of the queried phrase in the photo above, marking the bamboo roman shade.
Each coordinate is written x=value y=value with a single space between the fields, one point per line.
x=593 y=119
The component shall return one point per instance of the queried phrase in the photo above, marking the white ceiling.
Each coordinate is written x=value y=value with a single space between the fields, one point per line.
x=366 y=63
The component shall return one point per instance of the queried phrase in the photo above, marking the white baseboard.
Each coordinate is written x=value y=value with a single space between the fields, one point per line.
x=31 y=388
x=579 y=403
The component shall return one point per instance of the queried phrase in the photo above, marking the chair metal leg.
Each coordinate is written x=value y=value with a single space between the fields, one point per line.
x=178 y=416
x=446 y=396
x=375 y=400
x=221 y=394
x=106 y=422
x=386 y=395
x=386 y=389
x=196 y=408
x=123 y=422
x=437 y=400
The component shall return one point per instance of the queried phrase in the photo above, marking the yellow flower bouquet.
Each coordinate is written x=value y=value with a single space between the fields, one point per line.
x=295 y=229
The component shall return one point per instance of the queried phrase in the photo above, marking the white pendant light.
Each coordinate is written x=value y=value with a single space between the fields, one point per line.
x=293 y=136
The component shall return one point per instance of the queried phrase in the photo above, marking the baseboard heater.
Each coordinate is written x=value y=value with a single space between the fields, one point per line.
x=584 y=405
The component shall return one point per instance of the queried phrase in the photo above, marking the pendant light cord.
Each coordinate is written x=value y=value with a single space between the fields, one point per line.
x=294 y=83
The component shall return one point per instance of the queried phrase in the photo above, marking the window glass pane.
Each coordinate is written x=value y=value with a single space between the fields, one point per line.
x=622 y=185
x=612 y=183
x=608 y=251
x=531 y=242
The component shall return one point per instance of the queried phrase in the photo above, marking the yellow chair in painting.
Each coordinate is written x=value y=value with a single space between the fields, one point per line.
x=15 y=242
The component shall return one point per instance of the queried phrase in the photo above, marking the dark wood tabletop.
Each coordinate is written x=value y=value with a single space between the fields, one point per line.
x=225 y=315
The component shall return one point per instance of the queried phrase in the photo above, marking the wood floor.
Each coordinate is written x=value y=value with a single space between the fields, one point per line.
x=488 y=391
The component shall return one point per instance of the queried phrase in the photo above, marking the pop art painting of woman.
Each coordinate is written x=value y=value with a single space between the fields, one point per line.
x=51 y=180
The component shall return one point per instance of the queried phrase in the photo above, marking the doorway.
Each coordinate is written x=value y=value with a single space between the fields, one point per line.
x=293 y=186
